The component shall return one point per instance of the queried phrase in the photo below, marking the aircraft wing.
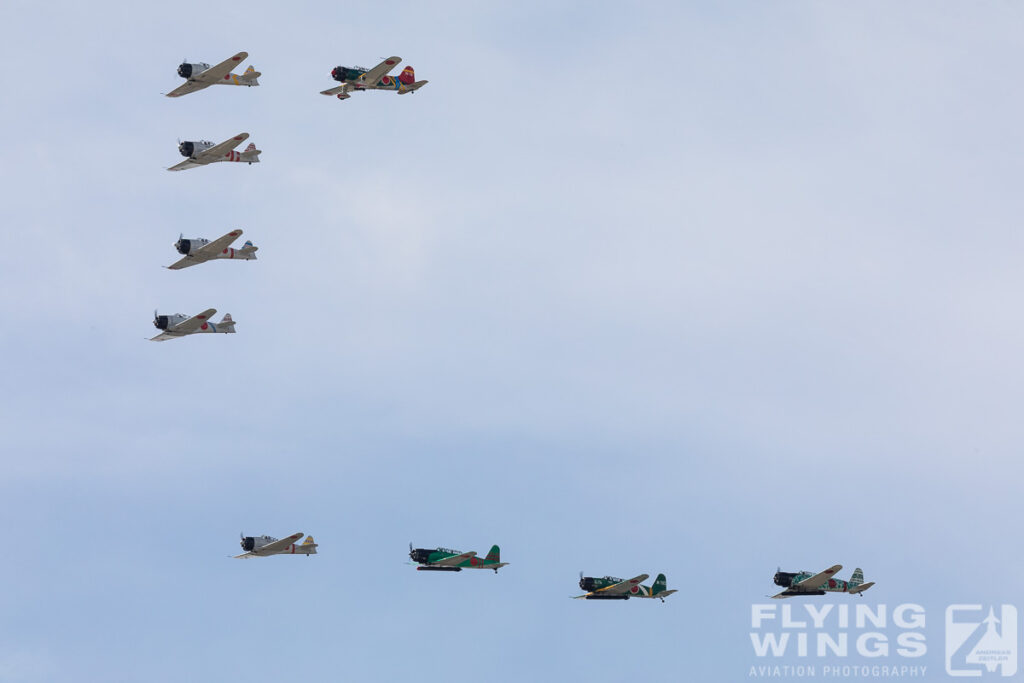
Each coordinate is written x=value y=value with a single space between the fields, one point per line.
x=623 y=586
x=163 y=336
x=185 y=262
x=192 y=324
x=187 y=87
x=222 y=148
x=211 y=249
x=454 y=560
x=185 y=165
x=278 y=545
x=341 y=89
x=373 y=75
x=219 y=71
x=818 y=580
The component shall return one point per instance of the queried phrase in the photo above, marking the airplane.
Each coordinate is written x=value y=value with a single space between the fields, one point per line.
x=805 y=583
x=198 y=250
x=262 y=546
x=612 y=588
x=360 y=78
x=204 y=152
x=445 y=560
x=179 y=325
x=199 y=76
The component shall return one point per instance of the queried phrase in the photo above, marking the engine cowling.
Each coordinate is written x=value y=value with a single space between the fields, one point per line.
x=587 y=583
x=161 y=322
x=784 y=579
x=343 y=73
x=186 y=70
x=420 y=555
x=248 y=543
x=187 y=148
x=188 y=246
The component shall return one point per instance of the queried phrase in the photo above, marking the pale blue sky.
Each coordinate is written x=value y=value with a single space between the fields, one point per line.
x=678 y=287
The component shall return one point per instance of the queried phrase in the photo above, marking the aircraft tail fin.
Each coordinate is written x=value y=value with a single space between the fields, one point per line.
x=226 y=324
x=406 y=89
x=251 y=154
x=857 y=578
x=856 y=584
x=407 y=77
x=250 y=76
x=659 y=586
x=494 y=555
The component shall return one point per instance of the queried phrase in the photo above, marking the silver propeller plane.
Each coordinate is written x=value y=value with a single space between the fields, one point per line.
x=178 y=325
x=262 y=546
x=199 y=76
x=198 y=250
x=203 y=152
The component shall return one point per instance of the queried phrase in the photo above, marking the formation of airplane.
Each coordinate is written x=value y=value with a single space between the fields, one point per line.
x=199 y=76
x=179 y=325
x=354 y=79
x=446 y=560
x=805 y=583
x=263 y=546
x=195 y=251
x=612 y=588
x=203 y=152
x=198 y=250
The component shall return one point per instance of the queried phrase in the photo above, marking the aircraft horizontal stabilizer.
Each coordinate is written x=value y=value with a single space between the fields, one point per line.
x=861 y=588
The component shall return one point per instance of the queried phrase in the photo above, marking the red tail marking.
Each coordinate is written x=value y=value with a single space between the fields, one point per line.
x=408 y=76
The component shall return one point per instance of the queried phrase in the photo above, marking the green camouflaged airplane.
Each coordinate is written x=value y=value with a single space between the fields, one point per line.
x=805 y=583
x=611 y=588
x=446 y=560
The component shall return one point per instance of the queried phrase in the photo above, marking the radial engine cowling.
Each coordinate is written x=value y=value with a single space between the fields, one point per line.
x=587 y=583
x=161 y=322
x=183 y=246
x=248 y=543
x=187 y=70
x=784 y=579
x=342 y=73
x=187 y=148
